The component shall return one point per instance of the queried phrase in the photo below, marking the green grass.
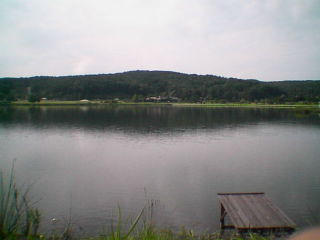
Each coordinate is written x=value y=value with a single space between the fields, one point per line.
x=91 y=102
x=52 y=103
x=17 y=218
x=183 y=104
x=247 y=105
x=151 y=233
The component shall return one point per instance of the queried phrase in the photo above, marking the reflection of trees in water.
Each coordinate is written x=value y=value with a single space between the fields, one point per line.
x=149 y=118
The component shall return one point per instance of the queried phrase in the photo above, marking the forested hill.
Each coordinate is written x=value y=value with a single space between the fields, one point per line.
x=141 y=84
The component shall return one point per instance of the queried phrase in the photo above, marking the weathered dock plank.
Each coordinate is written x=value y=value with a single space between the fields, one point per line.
x=253 y=211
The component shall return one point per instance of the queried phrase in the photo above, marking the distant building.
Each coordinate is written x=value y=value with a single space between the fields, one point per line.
x=153 y=99
x=84 y=100
x=161 y=99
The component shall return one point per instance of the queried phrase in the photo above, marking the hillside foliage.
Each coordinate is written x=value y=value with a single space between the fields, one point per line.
x=142 y=84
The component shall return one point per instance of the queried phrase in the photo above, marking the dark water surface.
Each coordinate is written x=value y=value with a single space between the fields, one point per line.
x=87 y=160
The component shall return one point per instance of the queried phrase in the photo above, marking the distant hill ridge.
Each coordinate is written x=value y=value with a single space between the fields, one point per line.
x=140 y=84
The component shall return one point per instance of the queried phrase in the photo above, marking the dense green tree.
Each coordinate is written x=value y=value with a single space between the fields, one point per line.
x=187 y=87
x=34 y=98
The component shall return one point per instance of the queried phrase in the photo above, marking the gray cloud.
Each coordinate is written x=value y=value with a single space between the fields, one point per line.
x=267 y=40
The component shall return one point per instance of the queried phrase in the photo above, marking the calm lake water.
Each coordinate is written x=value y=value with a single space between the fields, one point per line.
x=87 y=160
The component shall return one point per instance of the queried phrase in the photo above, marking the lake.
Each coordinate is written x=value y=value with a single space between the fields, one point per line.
x=85 y=161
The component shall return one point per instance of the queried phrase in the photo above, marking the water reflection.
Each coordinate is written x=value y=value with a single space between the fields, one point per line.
x=148 y=119
x=89 y=159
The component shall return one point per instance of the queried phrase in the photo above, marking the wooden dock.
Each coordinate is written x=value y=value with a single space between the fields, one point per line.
x=253 y=212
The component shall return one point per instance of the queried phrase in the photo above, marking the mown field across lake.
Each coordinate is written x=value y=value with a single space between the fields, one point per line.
x=209 y=104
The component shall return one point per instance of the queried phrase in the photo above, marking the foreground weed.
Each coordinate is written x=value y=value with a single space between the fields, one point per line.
x=118 y=232
x=17 y=219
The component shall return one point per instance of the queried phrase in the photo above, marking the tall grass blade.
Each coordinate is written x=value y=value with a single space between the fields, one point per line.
x=17 y=219
x=119 y=223
x=134 y=224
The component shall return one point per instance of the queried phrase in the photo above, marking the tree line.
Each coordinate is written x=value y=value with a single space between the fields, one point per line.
x=143 y=84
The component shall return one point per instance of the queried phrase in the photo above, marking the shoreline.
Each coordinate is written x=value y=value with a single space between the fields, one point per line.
x=181 y=104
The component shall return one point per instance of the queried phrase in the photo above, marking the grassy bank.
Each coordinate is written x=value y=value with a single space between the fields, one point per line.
x=150 y=233
x=81 y=103
x=181 y=104
x=56 y=103
x=248 y=105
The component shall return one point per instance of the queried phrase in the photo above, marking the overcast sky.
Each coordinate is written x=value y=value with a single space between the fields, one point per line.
x=260 y=39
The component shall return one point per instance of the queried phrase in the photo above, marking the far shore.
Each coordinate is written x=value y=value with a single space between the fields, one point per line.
x=175 y=104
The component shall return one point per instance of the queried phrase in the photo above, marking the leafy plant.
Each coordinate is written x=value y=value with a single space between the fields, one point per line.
x=17 y=218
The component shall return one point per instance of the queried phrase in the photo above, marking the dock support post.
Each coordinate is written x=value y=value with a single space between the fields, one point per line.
x=222 y=216
x=223 y=213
